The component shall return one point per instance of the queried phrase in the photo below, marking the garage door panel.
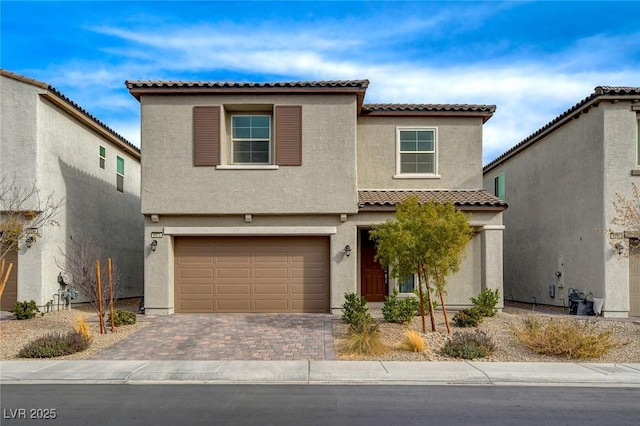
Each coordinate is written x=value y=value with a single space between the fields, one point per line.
x=233 y=305
x=195 y=289
x=196 y=305
x=226 y=272
x=253 y=274
x=233 y=289
x=277 y=290
x=10 y=295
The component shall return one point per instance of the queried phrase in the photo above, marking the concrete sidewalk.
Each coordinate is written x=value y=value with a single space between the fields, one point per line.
x=321 y=372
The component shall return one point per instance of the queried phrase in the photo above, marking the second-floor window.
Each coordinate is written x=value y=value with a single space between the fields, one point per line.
x=120 y=174
x=103 y=157
x=251 y=139
x=417 y=151
x=498 y=186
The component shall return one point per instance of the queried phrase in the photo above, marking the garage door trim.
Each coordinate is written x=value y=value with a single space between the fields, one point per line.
x=267 y=231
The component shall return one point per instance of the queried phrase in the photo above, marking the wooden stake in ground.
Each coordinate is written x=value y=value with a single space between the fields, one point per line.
x=111 y=313
x=100 y=313
x=4 y=277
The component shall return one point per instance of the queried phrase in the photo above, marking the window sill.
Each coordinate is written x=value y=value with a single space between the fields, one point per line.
x=417 y=176
x=247 y=167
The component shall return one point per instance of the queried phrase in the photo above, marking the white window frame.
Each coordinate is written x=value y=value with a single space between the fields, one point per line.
x=103 y=158
x=496 y=186
x=119 y=175
x=269 y=162
x=415 y=285
x=401 y=175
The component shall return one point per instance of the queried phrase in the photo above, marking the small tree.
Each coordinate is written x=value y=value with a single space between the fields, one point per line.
x=428 y=240
x=23 y=210
x=627 y=217
x=79 y=269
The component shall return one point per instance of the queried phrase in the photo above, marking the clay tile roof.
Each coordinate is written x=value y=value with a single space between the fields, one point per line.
x=460 y=198
x=485 y=111
x=358 y=84
x=600 y=93
x=73 y=105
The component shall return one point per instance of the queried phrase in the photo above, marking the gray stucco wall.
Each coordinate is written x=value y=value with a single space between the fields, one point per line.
x=459 y=153
x=63 y=155
x=325 y=183
x=559 y=192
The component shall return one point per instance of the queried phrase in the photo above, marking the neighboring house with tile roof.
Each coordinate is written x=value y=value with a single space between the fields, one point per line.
x=259 y=197
x=560 y=184
x=48 y=139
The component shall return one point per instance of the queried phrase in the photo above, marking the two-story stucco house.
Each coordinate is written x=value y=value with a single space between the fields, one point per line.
x=48 y=139
x=258 y=197
x=560 y=184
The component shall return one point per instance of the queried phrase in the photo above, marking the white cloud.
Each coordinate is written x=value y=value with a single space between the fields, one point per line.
x=528 y=93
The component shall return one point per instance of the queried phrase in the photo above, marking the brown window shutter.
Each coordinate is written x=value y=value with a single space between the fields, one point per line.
x=289 y=135
x=206 y=136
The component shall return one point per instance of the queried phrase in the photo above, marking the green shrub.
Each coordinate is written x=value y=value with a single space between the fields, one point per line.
x=565 y=338
x=486 y=302
x=425 y=299
x=25 y=310
x=353 y=308
x=54 y=345
x=122 y=317
x=469 y=317
x=469 y=345
x=400 y=310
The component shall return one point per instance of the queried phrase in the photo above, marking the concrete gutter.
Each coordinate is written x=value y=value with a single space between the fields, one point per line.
x=321 y=372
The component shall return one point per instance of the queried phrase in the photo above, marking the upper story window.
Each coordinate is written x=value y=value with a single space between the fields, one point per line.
x=103 y=156
x=498 y=186
x=120 y=174
x=251 y=139
x=417 y=151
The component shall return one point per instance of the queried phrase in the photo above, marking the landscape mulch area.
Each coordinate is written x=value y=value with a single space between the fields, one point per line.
x=508 y=349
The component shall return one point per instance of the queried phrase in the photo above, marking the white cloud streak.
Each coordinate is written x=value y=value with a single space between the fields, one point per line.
x=528 y=93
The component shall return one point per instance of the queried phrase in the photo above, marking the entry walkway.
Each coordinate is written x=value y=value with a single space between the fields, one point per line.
x=228 y=337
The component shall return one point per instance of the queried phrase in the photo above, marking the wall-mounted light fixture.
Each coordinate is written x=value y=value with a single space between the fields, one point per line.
x=619 y=247
x=29 y=241
x=347 y=250
x=154 y=244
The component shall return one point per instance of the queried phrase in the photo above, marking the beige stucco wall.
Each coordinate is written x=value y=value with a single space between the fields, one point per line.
x=559 y=192
x=459 y=153
x=325 y=183
x=63 y=156
x=475 y=270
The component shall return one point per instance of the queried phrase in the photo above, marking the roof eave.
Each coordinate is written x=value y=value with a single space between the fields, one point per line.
x=407 y=113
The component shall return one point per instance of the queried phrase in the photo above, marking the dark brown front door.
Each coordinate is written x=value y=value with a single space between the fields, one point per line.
x=373 y=285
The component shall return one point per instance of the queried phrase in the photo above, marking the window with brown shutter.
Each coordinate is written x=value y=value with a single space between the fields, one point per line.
x=206 y=135
x=288 y=122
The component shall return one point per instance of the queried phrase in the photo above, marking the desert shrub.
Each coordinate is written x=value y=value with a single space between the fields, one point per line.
x=353 y=308
x=82 y=329
x=469 y=345
x=469 y=317
x=413 y=341
x=564 y=338
x=25 y=310
x=122 y=317
x=364 y=342
x=400 y=310
x=486 y=302
x=54 y=345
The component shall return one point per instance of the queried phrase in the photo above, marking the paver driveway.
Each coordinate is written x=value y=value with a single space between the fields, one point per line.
x=228 y=337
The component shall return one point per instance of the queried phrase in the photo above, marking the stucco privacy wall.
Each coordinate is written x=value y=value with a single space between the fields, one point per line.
x=64 y=155
x=325 y=183
x=477 y=271
x=459 y=152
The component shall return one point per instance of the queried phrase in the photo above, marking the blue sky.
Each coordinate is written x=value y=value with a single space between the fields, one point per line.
x=532 y=59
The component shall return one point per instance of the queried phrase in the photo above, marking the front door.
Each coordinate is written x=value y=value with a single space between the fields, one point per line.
x=372 y=275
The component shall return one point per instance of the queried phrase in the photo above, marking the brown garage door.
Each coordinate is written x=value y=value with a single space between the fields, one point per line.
x=252 y=274
x=10 y=295
x=634 y=278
